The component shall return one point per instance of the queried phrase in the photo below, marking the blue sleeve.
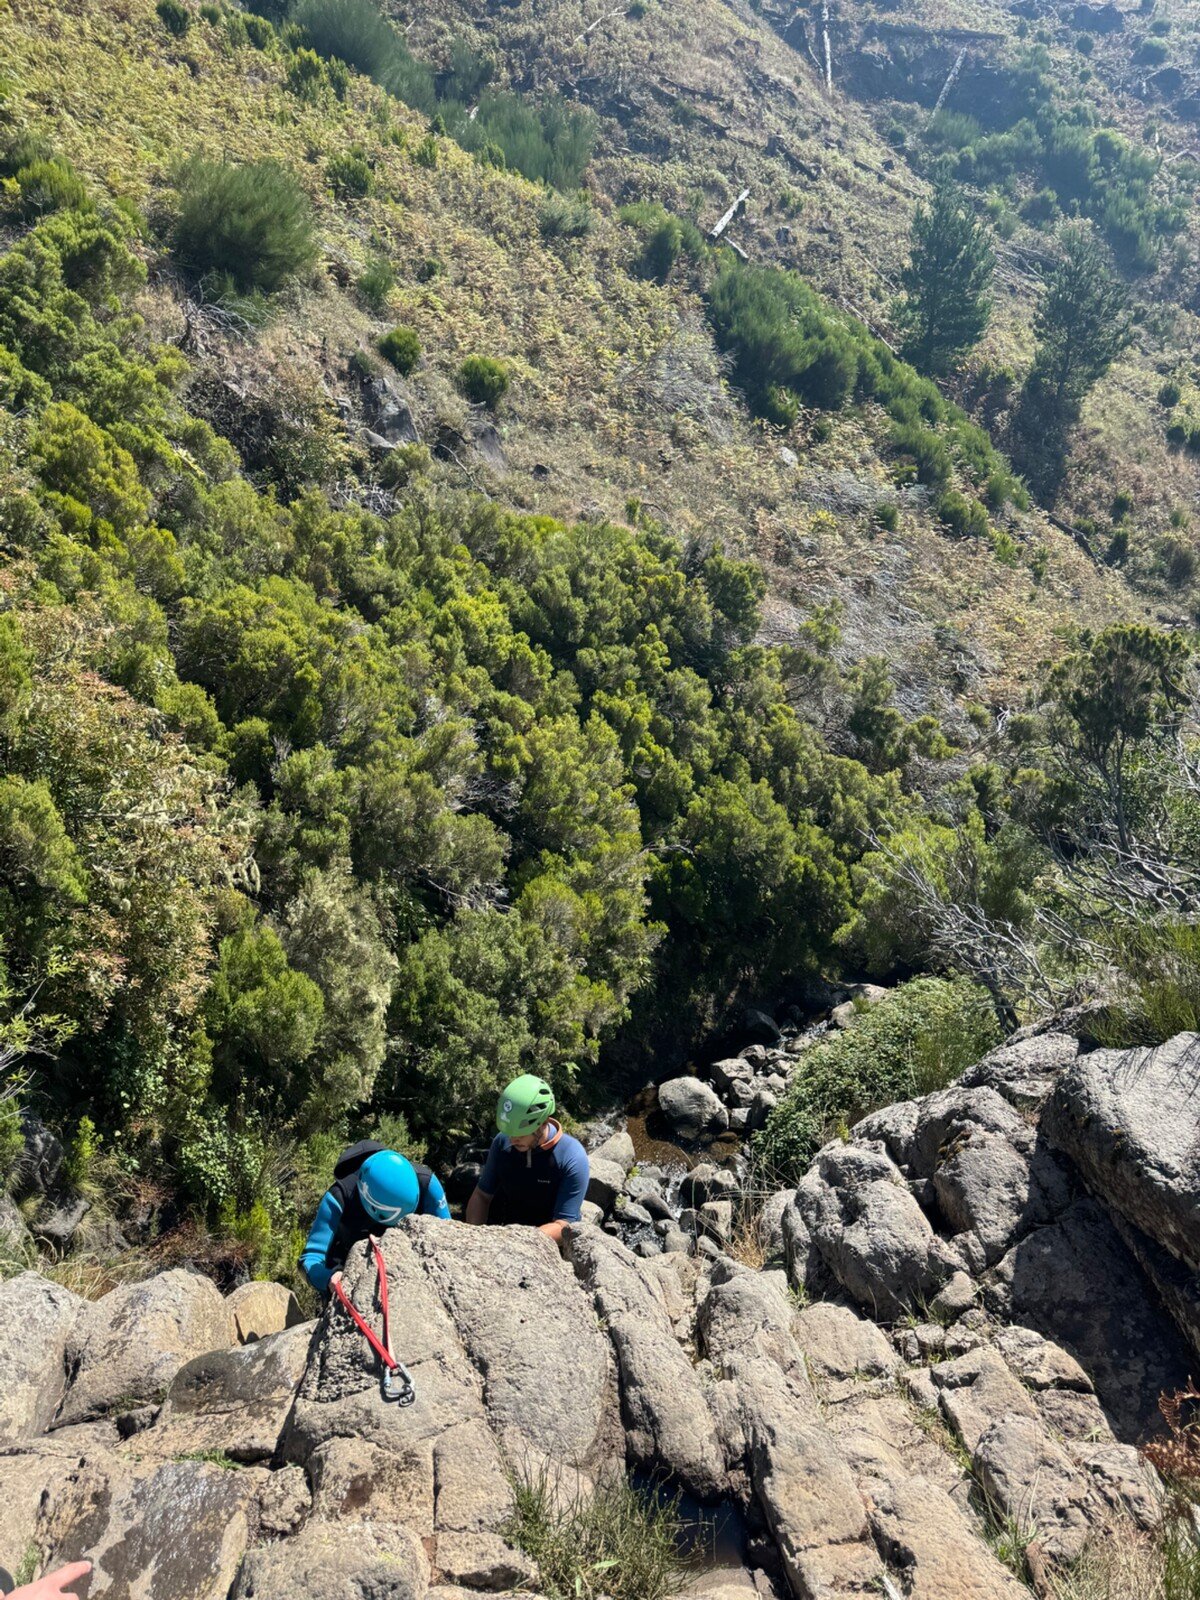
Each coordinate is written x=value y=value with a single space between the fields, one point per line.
x=572 y=1191
x=433 y=1202
x=320 y=1236
x=489 y=1178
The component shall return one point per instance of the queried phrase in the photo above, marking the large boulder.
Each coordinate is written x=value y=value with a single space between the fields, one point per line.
x=930 y=1544
x=872 y=1234
x=1076 y=1282
x=992 y=1178
x=838 y=1343
x=668 y=1425
x=1027 y=1474
x=36 y=1319
x=233 y=1401
x=692 y=1108
x=617 y=1148
x=800 y=1479
x=175 y=1530
x=127 y=1346
x=529 y=1334
x=262 y=1308
x=605 y=1181
x=1024 y=1071
x=336 y=1561
x=1130 y=1121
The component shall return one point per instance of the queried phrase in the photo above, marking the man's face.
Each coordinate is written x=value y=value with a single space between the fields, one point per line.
x=527 y=1141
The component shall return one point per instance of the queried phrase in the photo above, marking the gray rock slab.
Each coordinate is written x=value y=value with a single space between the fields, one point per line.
x=36 y=1319
x=1130 y=1122
x=336 y=1561
x=668 y=1424
x=235 y=1401
x=131 y=1343
x=1076 y=1282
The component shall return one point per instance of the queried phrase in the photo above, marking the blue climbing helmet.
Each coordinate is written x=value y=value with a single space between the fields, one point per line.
x=388 y=1187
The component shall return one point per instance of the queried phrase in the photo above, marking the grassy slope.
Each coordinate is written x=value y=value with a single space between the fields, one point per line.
x=591 y=346
x=762 y=119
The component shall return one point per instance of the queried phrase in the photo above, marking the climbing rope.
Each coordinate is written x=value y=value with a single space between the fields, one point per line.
x=397 y=1381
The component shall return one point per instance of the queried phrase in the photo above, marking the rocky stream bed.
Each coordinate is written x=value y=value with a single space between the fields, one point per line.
x=964 y=1318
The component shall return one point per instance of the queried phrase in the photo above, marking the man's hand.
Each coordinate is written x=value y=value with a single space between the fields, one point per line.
x=55 y=1585
x=334 y=1279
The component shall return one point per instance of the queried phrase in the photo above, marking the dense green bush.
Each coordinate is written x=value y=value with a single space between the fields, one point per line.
x=1076 y=167
x=483 y=380
x=402 y=347
x=249 y=227
x=1169 y=394
x=376 y=283
x=921 y=1037
x=962 y=516
x=789 y=346
x=349 y=175
x=664 y=239
x=259 y=31
x=548 y=141
x=175 y=18
x=49 y=185
x=356 y=32
x=566 y=217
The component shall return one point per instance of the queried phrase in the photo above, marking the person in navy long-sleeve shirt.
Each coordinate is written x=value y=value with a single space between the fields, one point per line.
x=373 y=1188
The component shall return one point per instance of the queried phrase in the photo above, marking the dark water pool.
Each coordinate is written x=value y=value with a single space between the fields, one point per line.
x=711 y=1537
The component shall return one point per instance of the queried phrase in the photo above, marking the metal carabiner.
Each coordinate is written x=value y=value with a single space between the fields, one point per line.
x=398 y=1385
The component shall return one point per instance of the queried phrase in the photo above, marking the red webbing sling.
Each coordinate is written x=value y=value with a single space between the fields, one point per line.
x=397 y=1383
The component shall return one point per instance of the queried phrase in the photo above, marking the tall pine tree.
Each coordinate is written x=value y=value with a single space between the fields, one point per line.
x=1082 y=326
x=946 y=281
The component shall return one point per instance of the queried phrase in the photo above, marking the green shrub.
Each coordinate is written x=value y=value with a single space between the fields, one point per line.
x=356 y=32
x=620 y=1542
x=1122 y=505
x=12 y=1141
x=888 y=515
x=306 y=76
x=1177 y=433
x=175 y=18
x=962 y=516
x=1160 y=984
x=49 y=186
x=566 y=217
x=1151 y=53
x=248 y=226
x=921 y=1037
x=426 y=153
x=402 y=348
x=259 y=31
x=930 y=454
x=1118 y=548
x=211 y=14
x=548 y=141
x=483 y=380
x=377 y=282
x=1170 y=393
x=349 y=175
x=1178 y=562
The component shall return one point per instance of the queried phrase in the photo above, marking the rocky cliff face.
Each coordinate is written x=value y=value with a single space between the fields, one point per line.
x=968 y=1313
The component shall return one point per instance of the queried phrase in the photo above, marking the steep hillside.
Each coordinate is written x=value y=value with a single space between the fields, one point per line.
x=617 y=389
x=696 y=107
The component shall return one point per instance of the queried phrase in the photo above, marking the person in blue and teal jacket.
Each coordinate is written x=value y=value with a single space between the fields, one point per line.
x=373 y=1188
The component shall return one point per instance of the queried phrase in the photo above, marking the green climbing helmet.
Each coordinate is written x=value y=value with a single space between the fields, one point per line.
x=524 y=1105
